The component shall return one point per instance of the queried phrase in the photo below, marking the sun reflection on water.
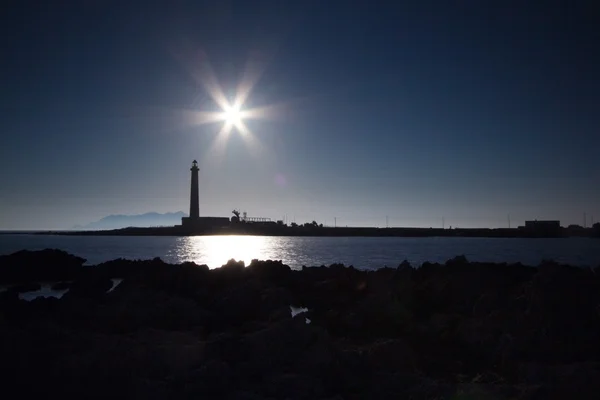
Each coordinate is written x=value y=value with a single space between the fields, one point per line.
x=215 y=251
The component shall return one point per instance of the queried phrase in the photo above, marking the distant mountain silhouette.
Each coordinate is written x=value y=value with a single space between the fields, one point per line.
x=149 y=219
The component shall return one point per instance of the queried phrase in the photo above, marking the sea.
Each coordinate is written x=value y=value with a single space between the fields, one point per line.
x=361 y=252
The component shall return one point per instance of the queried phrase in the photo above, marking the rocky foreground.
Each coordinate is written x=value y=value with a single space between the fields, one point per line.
x=455 y=331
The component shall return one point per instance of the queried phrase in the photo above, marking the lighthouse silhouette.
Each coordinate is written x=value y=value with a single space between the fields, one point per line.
x=194 y=224
x=193 y=221
x=194 y=199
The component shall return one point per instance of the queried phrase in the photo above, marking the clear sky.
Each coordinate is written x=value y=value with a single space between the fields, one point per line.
x=417 y=110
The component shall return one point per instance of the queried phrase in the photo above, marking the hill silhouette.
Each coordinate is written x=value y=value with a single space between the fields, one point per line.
x=148 y=219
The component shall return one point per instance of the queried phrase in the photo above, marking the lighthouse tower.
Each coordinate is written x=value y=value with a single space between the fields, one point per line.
x=194 y=200
x=194 y=224
x=193 y=221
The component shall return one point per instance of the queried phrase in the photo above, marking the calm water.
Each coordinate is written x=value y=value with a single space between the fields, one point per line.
x=370 y=252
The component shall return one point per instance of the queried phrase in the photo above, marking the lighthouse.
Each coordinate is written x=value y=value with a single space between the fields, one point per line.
x=194 y=200
x=194 y=224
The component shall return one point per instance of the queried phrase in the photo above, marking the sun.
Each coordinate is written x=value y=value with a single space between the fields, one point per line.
x=232 y=115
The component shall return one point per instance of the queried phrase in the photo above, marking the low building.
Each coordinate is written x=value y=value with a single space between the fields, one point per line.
x=542 y=228
x=204 y=222
x=542 y=224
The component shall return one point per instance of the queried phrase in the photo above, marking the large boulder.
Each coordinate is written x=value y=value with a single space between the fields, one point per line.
x=25 y=287
x=270 y=271
x=275 y=304
x=286 y=345
x=561 y=296
x=391 y=355
x=139 y=307
x=90 y=285
x=236 y=305
x=35 y=266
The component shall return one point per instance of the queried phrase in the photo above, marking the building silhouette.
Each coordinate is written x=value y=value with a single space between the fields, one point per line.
x=542 y=228
x=194 y=192
x=195 y=223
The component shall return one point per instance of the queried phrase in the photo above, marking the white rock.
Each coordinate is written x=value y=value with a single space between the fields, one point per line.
x=116 y=282
x=297 y=310
x=45 y=291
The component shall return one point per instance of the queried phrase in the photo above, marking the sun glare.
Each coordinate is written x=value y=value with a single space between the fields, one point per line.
x=217 y=250
x=232 y=115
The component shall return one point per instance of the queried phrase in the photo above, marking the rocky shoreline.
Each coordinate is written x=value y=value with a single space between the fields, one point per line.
x=147 y=329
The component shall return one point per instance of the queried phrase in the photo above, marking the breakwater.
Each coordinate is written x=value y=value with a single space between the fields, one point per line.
x=277 y=230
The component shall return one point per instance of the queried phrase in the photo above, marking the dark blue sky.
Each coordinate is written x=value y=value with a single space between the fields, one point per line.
x=466 y=110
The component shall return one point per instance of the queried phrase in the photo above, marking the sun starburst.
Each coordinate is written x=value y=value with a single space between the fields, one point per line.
x=233 y=114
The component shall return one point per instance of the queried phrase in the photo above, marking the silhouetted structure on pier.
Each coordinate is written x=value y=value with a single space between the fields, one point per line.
x=242 y=224
x=195 y=223
x=543 y=228
x=194 y=195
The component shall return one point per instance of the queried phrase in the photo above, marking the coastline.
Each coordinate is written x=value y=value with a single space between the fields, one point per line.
x=275 y=230
x=181 y=331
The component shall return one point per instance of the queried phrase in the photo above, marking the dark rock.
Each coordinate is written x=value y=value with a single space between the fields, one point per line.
x=187 y=279
x=292 y=386
x=143 y=308
x=386 y=385
x=581 y=380
x=445 y=324
x=61 y=286
x=8 y=297
x=36 y=266
x=337 y=267
x=245 y=395
x=91 y=286
x=275 y=304
x=184 y=331
x=216 y=376
x=270 y=271
x=391 y=355
x=234 y=266
x=284 y=345
x=25 y=287
x=458 y=261
x=237 y=305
